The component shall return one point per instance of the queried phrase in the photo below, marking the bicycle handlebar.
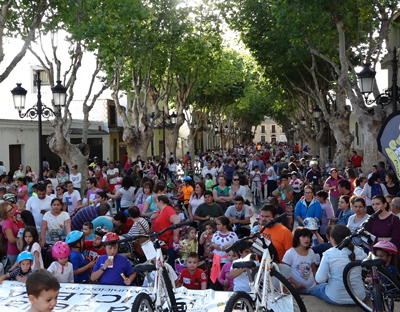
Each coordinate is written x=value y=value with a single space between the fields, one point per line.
x=257 y=234
x=358 y=231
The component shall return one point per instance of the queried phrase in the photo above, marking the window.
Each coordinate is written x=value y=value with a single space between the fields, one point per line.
x=357 y=135
x=263 y=138
x=112 y=116
x=273 y=130
x=44 y=77
x=262 y=129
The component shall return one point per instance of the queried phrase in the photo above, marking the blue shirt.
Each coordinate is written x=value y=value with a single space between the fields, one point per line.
x=78 y=261
x=313 y=210
x=112 y=276
x=103 y=221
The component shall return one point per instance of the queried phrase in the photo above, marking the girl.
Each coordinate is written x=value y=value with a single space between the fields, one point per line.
x=189 y=244
x=206 y=237
x=61 y=268
x=224 y=278
x=345 y=211
x=209 y=182
x=31 y=244
x=223 y=238
x=359 y=185
x=330 y=272
x=22 y=190
x=301 y=259
x=359 y=216
x=388 y=252
x=372 y=188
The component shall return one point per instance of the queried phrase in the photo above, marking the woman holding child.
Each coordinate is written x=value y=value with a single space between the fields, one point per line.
x=10 y=230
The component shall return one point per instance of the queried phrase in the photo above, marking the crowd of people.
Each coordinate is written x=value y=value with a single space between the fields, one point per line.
x=55 y=225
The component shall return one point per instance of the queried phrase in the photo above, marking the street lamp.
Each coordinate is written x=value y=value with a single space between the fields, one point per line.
x=164 y=124
x=39 y=110
x=317 y=112
x=152 y=116
x=303 y=121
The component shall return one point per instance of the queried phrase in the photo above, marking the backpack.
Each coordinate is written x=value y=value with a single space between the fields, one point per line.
x=376 y=189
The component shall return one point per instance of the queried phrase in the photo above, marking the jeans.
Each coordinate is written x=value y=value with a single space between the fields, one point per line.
x=319 y=292
x=11 y=260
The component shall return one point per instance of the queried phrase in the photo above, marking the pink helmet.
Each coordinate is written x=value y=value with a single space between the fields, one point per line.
x=60 y=250
x=386 y=246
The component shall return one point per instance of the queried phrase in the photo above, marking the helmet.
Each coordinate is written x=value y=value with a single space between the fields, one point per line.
x=110 y=237
x=311 y=224
x=25 y=255
x=60 y=250
x=386 y=246
x=171 y=185
x=294 y=173
x=187 y=178
x=101 y=231
x=12 y=198
x=73 y=237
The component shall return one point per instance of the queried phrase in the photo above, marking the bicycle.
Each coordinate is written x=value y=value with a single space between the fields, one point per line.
x=256 y=187
x=270 y=290
x=381 y=287
x=160 y=296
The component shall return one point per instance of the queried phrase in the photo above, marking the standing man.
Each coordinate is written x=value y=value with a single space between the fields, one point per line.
x=211 y=170
x=39 y=204
x=112 y=175
x=356 y=159
x=101 y=182
x=314 y=177
x=271 y=179
x=381 y=170
x=258 y=162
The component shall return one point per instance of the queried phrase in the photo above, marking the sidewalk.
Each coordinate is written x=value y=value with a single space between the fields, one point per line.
x=314 y=304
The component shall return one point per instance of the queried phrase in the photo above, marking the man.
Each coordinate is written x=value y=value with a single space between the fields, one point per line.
x=112 y=175
x=314 y=177
x=344 y=188
x=259 y=163
x=395 y=206
x=350 y=166
x=112 y=224
x=239 y=215
x=278 y=234
x=39 y=204
x=207 y=211
x=356 y=159
x=286 y=189
x=271 y=178
x=308 y=207
x=88 y=214
x=101 y=182
x=211 y=170
x=3 y=169
x=382 y=171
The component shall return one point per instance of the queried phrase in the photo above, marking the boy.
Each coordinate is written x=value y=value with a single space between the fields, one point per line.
x=239 y=276
x=25 y=260
x=34 y=189
x=75 y=241
x=3 y=192
x=87 y=229
x=42 y=289
x=297 y=185
x=112 y=268
x=95 y=247
x=71 y=198
x=17 y=215
x=192 y=277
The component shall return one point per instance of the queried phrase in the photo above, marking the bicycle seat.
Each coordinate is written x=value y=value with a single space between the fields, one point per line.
x=244 y=265
x=372 y=260
x=144 y=267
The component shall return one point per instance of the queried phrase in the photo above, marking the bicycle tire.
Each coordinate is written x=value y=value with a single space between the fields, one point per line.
x=167 y=285
x=389 y=288
x=142 y=303
x=240 y=301
x=281 y=293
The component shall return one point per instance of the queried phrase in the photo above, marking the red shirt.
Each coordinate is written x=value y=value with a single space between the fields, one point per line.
x=357 y=160
x=162 y=222
x=192 y=281
x=102 y=184
x=93 y=253
x=127 y=226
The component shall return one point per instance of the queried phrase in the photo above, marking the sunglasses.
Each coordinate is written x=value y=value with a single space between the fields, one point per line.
x=236 y=179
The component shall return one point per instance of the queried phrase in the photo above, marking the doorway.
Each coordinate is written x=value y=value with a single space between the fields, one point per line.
x=14 y=157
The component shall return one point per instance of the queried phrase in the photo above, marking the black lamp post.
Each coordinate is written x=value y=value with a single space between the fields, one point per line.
x=215 y=137
x=164 y=125
x=152 y=115
x=40 y=110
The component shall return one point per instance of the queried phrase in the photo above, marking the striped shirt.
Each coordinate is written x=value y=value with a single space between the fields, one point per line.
x=87 y=214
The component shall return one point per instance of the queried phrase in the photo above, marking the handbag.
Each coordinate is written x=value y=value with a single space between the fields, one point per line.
x=137 y=244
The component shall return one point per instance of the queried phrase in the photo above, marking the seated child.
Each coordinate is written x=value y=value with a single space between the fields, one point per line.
x=42 y=289
x=209 y=182
x=239 y=276
x=206 y=239
x=301 y=259
x=189 y=244
x=75 y=241
x=192 y=277
x=87 y=229
x=21 y=273
x=179 y=212
x=61 y=268
x=388 y=252
x=113 y=268
x=224 y=279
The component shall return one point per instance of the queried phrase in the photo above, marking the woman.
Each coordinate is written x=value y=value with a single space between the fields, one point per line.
x=140 y=226
x=104 y=171
x=242 y=167
x=359 y=184
x=351 y=176
x=62 y=176
x=56 y=224
x=4 y=183
x=308 y=207
x=218 y=167
x=76 y=178
x=150 y=206
x=187 y=190
x=236 y=188
x=172 y=169
x=392 y=183
x=51 y=176
x=386 y=227
x=126 y=192
x=22 y=190
x=372 y=188
x=374 y=170
x=49 y=190
x=59 y=192
x=228 y=171
x=19 y=173
x=345 y=210
x=359 y=216
x=223 y=238
x=196 y=199
x=145 y=192
x=222 y=194
x=140 y=163
x=128 y=164
x=9 y=230
x=135 y=176
x=331 y=186
x=30 y=173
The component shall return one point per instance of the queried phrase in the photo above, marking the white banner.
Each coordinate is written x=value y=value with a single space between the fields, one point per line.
x=106 y=298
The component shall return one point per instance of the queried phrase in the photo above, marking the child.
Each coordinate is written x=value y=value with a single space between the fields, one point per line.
x=21 y=273
x=209 y=182
x=170 y=191
x=85 y=200
x=71 y=198
x=34 y=189
x=87 y=229
x=75 y=241
x=255 y=176
x=189 y=244
x=388 y=252
x=42 y=289
x=113 y=268
x=61 y=268
x=206 y=239
x=327 y=213
x=192 y=277
x=224 y=278
x=179 y=212
x=330 y=272
x=301 y=259
x=31 y=244
x=239 y=276
x=21 y=206
x=297 y=185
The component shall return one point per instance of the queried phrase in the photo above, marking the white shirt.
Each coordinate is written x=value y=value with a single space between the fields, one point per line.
x=34 y=205
x=194 y=202
x=241 y=282
x=112 y=172
x=231 y=211
x=55 y=225
x=56 y=269
x=36 y=247
x=76 y=180
x=352 y=225
x=211 y=171
x=367 y=193
x=270 y=177
x=127 y=196
x=71 y=200
x=172 y=167
x=240 y=192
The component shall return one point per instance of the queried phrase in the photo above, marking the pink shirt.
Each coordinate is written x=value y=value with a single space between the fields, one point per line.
x=23 y=188
x=12 y=249
x=222 y=277
x=331 y=182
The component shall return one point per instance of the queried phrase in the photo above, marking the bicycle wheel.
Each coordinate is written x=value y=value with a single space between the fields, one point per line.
x=239 y=301
x=142 y=303
x=168 y=292
x=281 y=295
x=389 y=289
